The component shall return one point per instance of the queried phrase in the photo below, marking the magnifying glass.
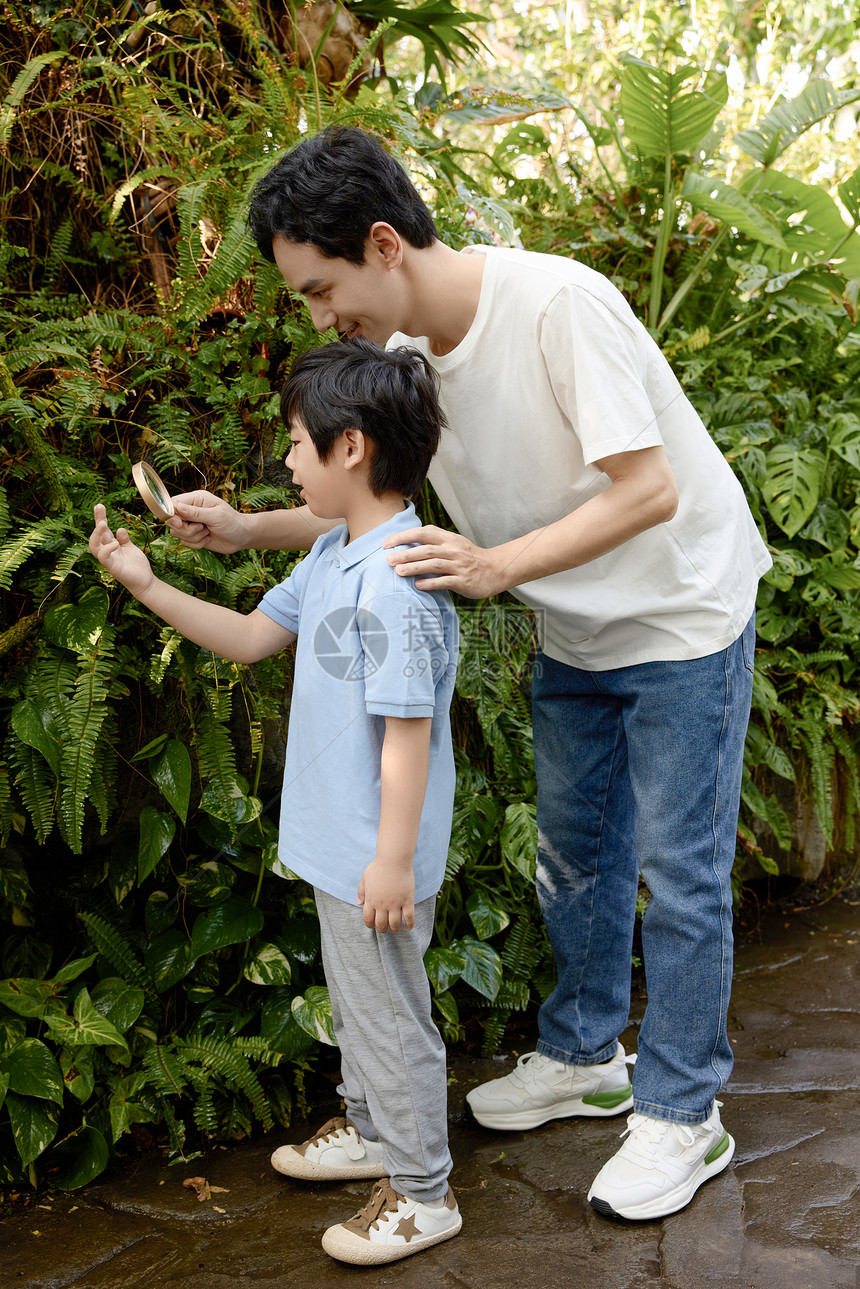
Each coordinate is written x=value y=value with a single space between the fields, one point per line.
x=152 y=489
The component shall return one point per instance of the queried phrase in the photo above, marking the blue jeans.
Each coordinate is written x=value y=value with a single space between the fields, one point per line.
x=639 y=770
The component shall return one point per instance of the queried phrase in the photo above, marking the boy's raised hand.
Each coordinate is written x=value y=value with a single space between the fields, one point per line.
x=122 y=559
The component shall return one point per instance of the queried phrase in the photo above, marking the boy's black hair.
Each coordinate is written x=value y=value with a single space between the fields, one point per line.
x=330 y=190
x=390 y=395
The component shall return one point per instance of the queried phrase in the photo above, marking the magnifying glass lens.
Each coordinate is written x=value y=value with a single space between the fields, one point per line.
x=152 y=489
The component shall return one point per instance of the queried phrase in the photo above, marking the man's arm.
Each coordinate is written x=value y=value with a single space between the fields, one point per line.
x=203 y=520
x=387 y=886
x=642 y=494
x=237 y=636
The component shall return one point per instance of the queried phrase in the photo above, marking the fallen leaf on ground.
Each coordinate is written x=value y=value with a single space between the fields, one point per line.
x=201 y=1186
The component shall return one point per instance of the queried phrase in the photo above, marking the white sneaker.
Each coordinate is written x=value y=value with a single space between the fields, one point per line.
x=334 y=1154
x=540 y=1089
x=660 y=1166
x=391 y=1227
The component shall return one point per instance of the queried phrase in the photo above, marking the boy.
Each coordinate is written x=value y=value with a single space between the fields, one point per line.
x=369 y=775
x=581 y=480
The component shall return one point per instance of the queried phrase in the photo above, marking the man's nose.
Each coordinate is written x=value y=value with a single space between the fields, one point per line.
x=323 y=315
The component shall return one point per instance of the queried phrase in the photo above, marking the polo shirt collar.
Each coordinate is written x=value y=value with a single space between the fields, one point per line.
x=354 y=552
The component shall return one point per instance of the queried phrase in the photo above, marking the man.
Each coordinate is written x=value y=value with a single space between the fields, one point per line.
x=581 y=480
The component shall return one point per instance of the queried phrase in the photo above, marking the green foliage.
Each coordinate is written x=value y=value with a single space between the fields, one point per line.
x=155 y=969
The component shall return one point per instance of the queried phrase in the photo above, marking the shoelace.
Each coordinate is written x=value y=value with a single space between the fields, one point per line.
x=383 y=1198
x=645 y=1136
x=351 y=1142
x=527 y=1068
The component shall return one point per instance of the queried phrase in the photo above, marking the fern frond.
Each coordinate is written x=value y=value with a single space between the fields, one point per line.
x=6 y=804
x=261 y=495
x=5 y=513
x=268 y=284
x=17 y=549
x=513 y=995
x=175 y=1132
x=118 y=952
x=216 y=757
x=158 y=665
x=170 y=429
x=104 y=776
x=58 y=254
x=37 y=786
x=165 y=1070
x=234 y=442
x=821 y=757
x=68 y=561
x=237 y=580
x=494 y=1032
x=36 y=354
x=131 y=185
x=51 y=680
x=84 y=719
x=205 y=1118
x=258 y=1049
x=230 y=262
x=21 y=84
x=224 y=1059
x=190 y=203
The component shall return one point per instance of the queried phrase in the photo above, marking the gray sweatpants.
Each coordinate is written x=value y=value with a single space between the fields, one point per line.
x=392 y=1055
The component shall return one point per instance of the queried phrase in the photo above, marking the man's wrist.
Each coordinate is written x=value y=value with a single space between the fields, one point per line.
x=501 y=568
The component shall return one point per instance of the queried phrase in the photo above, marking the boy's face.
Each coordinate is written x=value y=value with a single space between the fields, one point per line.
x=356 y=299
x=320 y=481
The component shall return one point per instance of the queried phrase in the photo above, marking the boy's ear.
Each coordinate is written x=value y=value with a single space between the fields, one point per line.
x=356 y=448
x=385 y=242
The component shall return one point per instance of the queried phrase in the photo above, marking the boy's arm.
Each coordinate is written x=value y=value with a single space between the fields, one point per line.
x=237 y=636
x=204 y=520
x=387 y=886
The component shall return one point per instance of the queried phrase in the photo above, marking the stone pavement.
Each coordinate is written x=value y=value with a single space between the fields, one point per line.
x=784 y=1215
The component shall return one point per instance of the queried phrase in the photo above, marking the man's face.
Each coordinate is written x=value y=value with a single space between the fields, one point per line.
x=356 y=299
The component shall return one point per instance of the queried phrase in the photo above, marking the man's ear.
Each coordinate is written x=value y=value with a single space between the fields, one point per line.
x=384 y=244
x=356 y=448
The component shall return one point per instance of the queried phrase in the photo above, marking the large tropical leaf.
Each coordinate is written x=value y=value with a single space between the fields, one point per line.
x=812 y=227
x=440 y=26
x=791 y=118
x=660 y=116
x=849 y=191
x=792 y=486
x=725 y=203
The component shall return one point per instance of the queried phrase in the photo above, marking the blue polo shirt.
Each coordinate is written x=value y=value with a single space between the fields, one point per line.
x=369 y=646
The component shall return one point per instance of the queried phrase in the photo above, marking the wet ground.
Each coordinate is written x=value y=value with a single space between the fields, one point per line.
x=784 y=1215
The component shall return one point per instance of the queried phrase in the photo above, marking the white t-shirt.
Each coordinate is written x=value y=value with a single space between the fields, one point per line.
x=556 y=373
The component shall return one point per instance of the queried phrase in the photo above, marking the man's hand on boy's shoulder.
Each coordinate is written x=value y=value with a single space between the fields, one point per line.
x=387 y=892
x=445 y=561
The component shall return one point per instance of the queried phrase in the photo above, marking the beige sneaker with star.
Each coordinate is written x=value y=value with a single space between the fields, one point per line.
x=390 y=1227
x=337 y=1153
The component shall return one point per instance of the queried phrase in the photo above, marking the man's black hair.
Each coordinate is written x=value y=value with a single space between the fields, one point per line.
x=330 y=190
x=390 y=395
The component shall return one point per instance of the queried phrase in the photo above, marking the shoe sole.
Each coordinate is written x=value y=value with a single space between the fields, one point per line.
x=291 y=1164
x=346 y=1247
x=576 y=1107
x=677 y=1199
